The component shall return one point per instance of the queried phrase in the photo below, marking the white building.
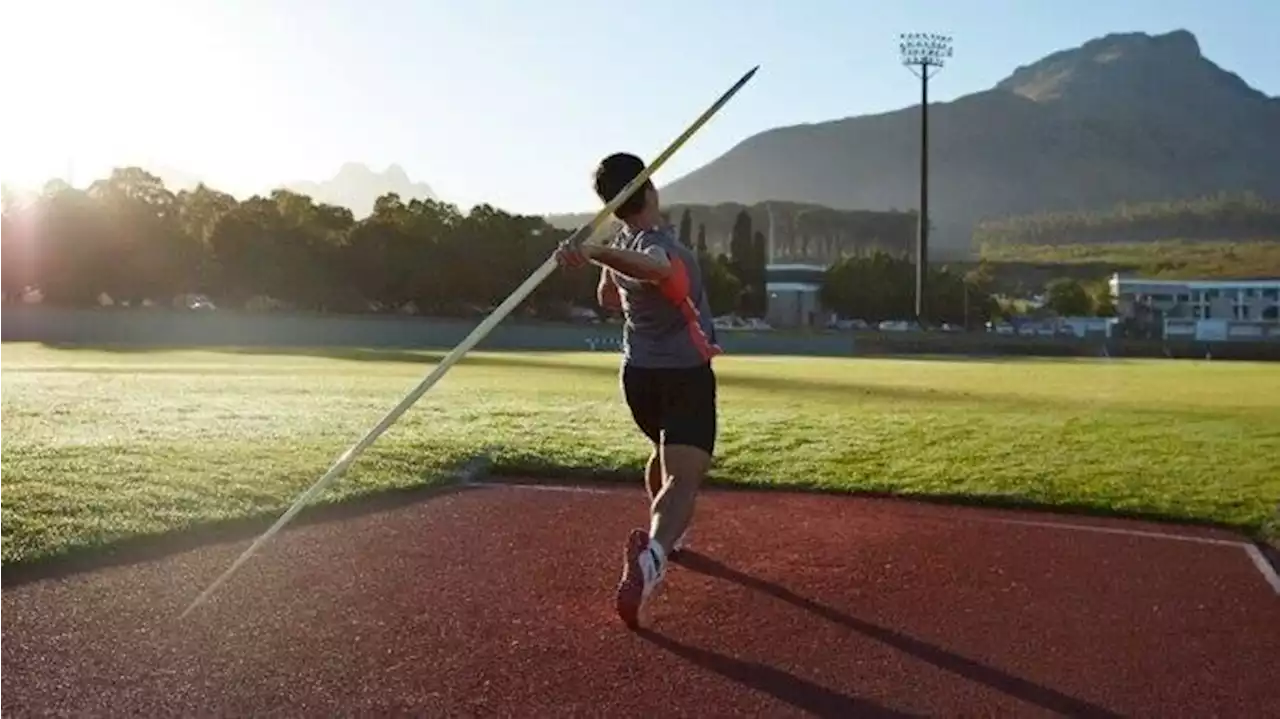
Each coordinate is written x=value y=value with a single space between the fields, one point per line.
x=791 y=290
x=791 y=295
x=1250 y=300
x=1204 y=309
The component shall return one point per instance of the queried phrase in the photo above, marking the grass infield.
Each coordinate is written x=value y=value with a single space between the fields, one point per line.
x=100 y=445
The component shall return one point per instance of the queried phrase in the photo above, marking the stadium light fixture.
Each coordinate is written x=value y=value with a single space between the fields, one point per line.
x=924 y=54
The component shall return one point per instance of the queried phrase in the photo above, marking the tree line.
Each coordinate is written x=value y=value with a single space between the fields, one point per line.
x=1219 y=217
x=881 y=286
x=129 y=238
x=133 y=240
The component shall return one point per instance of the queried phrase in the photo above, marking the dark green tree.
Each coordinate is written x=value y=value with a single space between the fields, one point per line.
x=724 y=290
x=743 y=257
x=1103 y=305
x=880 y=286
x=16 y=223
x=757 y=273
x=75 y=263
x=686 y=228
x=740 y=239
x=1067 y=297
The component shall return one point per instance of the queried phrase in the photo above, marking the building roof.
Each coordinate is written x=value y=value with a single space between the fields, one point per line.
x=793 y=277
x=1219 y=282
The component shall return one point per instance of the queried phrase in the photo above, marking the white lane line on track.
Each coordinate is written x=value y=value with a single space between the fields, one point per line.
x=1114 y=530
x=1268 y=571
x=1251 y=551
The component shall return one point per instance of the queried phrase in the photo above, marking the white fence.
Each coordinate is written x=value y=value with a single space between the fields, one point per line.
x=1217 y=330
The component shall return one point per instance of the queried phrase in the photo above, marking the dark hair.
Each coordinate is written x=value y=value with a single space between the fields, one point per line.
x=613 y=174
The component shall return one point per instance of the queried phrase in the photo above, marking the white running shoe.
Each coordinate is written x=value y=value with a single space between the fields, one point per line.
x=641 y=574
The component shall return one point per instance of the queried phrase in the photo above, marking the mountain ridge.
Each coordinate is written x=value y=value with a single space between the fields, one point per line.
x=355 y=185
x=1123 y=117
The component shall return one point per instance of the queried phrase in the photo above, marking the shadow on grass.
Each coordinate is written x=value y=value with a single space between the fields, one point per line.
x=1018 y=687
x=793 y=384
x=355 y=354
x=151 y=547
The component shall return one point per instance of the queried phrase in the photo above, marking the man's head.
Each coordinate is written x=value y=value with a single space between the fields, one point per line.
x=613 y=174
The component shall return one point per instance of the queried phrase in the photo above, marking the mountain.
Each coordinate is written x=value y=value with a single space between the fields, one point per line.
x=357 y=187
x=1125 y=117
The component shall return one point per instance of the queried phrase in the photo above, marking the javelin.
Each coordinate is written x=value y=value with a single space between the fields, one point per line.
x=579 y=236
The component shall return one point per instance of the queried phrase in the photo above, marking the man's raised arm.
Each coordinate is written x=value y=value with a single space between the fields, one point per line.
x=648 y=265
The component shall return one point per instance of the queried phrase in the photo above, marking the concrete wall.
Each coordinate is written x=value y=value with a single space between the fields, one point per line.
x=157 y=327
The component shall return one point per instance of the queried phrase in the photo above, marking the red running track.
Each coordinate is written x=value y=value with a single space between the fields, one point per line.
x=496 y=602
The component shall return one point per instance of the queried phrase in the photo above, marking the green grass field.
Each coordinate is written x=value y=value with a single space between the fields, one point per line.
x=100 y=445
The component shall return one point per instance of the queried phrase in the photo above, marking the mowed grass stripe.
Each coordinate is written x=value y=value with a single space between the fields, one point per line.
x=100 y=445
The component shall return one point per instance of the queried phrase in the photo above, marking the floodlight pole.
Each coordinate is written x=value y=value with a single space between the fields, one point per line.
x=924 y=55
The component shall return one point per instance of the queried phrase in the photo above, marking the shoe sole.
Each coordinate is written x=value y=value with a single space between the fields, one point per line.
x=631 y=587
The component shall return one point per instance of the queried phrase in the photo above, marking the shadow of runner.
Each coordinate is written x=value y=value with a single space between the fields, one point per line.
x=1014 y=686
x=793 y=690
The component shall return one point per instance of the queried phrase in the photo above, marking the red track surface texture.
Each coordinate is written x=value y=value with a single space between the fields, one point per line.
x=497 y=602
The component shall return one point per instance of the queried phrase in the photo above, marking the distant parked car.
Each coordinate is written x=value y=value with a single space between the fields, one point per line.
x=899 y=326
x=734 y=322
x=583 y=315
x=839 y=324
x=195 y=303
x=1000 y=328
x=726 y=322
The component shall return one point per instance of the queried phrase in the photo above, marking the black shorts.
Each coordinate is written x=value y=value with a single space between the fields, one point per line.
x=673 y=406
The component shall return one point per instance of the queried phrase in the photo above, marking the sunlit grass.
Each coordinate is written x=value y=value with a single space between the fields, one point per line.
x=102 y=445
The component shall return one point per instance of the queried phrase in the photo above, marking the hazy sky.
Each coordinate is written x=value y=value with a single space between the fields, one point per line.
x=512 y=101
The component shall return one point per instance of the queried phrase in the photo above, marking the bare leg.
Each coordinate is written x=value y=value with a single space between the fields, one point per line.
x=686 y=408
x=653 y=475
x=684 y=468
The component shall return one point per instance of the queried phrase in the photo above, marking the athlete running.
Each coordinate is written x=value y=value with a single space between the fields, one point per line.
x=667 y=380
